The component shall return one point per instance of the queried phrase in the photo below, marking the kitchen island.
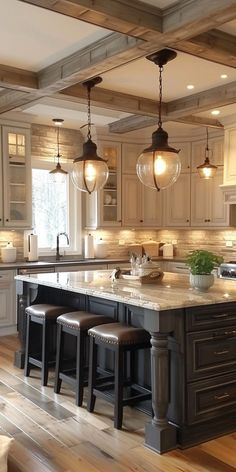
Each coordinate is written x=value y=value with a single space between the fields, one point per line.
x=193 y=354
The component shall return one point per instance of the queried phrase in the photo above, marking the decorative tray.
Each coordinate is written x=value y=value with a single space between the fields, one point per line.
x=154 y=277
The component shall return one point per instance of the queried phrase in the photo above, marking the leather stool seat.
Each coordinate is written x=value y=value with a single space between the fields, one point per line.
x=81 y=320
x=121 y=339
x=45 y=315
x=117 y=333
x=46 y=311
x=77 y=324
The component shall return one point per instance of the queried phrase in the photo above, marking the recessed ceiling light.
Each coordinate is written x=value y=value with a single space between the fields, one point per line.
x=190 y=87
x=223 y=76
x=215 y=112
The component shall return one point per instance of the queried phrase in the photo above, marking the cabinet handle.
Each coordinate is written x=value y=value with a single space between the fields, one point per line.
x=221 y=353
x=230 y=333
x=220 y=315
x=222 y=397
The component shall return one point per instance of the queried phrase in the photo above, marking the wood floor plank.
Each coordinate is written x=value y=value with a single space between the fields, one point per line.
x=52 y=434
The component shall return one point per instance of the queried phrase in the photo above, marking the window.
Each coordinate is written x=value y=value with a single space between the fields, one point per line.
x=56 y=209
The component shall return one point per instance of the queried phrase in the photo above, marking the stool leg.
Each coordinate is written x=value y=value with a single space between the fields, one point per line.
x=79 y=389
x=59 y=357
x=46 y=328
x=119 y=380
x=27 y=348
x=92 y=374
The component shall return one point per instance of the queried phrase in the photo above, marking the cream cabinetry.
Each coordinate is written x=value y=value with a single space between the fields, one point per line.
x=207 y=203
x=141 y=206
x=7 y=302
x=80 y=267
x=16 y=177
x=184 y=154
x=103 y=208
x=177 y=203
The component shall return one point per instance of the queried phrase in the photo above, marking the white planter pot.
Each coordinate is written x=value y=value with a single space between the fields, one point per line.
x=201 y=282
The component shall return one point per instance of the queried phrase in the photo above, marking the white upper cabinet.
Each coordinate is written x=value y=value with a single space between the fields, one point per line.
x=130 y=154
x=184 y=154
x=16 y=206
x=141 y=206
x=177 y=202
x=103 y=208
x=207 y=203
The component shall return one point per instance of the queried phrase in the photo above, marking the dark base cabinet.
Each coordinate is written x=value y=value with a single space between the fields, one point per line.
x=192 y=371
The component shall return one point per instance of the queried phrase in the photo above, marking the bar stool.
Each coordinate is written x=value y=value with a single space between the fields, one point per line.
x=76 y=324
x=120 y=339
x=46 y=316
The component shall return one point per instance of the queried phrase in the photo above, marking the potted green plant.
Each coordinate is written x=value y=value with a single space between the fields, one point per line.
x=201 y=264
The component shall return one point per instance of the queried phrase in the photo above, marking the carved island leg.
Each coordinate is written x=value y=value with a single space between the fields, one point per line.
x=159 y=434
x=25 y=296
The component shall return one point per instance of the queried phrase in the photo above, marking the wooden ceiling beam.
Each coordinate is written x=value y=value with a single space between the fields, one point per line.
x=14 y=98
x=101 y=56
x=18 y=79
x=110 y=99
x=216 y=46
x=202 y=101
x=135 y=122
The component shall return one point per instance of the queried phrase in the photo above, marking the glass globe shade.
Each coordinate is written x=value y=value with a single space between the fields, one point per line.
x=158 y=169
x=90 y=172
x=159 y=165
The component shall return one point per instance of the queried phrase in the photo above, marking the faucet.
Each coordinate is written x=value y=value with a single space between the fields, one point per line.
x=58 y=255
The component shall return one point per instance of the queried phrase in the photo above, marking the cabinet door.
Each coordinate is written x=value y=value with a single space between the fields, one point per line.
x=7 y=300
x=219 y=212
x=199 y=201
x=130 y=154
x=152 y=207
x=109 y=198
x=131 y=201
x=177 y=202
x=17 y=177
x=184 y=154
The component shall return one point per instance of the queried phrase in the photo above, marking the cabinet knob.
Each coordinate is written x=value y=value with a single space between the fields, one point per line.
x=187 y=221
x=141 y=221
x=209 y=221
x=7 y=219
x=0 y=219
x=119 y=221
x=205 y=221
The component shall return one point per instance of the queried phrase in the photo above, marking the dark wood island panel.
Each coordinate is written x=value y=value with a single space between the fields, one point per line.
x=193 y=360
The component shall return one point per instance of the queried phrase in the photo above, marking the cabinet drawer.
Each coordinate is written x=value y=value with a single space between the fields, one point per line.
x=210 y=316
x=6 y=276
x=211 y=352
x=210 y=399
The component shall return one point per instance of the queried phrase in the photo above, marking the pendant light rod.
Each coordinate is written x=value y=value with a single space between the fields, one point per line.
x=89 y=84
x=58 y=174
x=160 y=58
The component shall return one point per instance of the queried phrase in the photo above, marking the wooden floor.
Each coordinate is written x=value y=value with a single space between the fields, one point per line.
x=52 y=434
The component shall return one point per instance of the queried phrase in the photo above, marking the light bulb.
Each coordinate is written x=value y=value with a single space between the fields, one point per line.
x=207 y=173
x=159 y=165
x=90 y=172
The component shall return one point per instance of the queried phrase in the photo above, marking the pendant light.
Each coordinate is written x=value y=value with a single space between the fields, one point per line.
x=90 y=171
x=159 y=165
x=207 y=170
x=58 y=175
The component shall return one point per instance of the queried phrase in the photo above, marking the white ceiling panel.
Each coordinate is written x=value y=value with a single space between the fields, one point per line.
x=141 y=77
x=33 y=38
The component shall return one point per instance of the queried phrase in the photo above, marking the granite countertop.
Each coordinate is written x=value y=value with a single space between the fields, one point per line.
x=173 y=292
x=50 y=262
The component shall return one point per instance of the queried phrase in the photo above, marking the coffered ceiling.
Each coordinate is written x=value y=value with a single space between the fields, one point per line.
x=49 y=47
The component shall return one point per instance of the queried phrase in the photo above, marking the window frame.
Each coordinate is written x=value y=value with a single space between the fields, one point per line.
x=75 y=207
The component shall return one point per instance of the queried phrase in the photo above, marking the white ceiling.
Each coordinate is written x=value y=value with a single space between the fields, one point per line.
x=33 y=38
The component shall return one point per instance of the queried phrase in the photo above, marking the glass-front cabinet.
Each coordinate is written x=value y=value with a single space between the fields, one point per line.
x=103 y=208
x=16 y=171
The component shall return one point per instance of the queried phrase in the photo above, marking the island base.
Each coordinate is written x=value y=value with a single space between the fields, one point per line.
x=160 y=439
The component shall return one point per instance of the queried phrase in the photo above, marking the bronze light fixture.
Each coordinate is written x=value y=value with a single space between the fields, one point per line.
x=58 y=175
x=159 y=165
x=207 y=170
x=90 y=172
